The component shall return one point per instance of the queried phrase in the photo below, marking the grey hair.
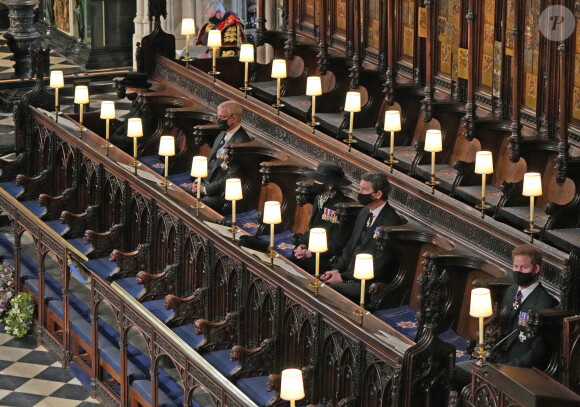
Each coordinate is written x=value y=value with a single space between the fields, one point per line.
x=215 y=6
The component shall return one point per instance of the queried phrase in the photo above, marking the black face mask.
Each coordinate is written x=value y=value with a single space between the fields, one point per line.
x=364 y=199
x=318 y=189
x=523 y=279
x=214 y=20
x=222 y=124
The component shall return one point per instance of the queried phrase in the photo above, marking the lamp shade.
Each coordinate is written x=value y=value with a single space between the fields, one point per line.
x=483 y=162
x=214 y=38
x=188 y=26
x=233 y=189
x=272 y=214
x=363 y=266
x=532 y=184
x=313 y=86
x=107 y=109
x=392 y=120
x=480 y=305
x=199 y=166
x=278 y=68
x=167 y=146
x=433 y=141
x=247 y=53
x=81 y=95
x=317 y=242
x=56 y=79
x=291 y=386
x=352 y=102
x=134 y=127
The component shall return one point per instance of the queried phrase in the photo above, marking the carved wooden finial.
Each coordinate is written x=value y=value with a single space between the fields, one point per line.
x=157 y=9
x=40 y=60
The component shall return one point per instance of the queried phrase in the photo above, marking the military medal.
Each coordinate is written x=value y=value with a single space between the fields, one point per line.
x=522 y=336
x=523 y=318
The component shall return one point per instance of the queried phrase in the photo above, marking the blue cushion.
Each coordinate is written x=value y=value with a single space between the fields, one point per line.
x=108 y=332
x=187 y=333
x=143 y=387
x=57 y=226
x=169 y=386
x=80 y=244
x=444 y=173
x=472 y=194
x=130 y=285
x=246 y=221
x=79 y=306
x=256 y=388
x=220 y=359
x=80 y=374
x=182 y=180
x=57 y=306
x=520 y=216
x=53 y=283
x=282 y=243
x=401 y=318
x=459 y=342
x=157 y=308
x=111 y=354
x=34 y=207
x=6 y=246
x=101 y=266
x=153 y=162
x=49 y=293
x=81 y=327
x=12 y=188
x=27 y=262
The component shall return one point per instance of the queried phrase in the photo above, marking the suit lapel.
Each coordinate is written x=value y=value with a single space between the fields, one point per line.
x=216 y=145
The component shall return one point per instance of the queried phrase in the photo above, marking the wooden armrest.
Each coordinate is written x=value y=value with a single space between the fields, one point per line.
x=217 y=335
x=186 y=310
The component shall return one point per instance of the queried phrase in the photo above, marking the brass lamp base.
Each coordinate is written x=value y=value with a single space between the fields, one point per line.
x=390 y=162
x=349 y=141
x=481 y=354
x=313 y=124
x=315 y=286
x=278 y=106
x=234 y=229
x=483 y=206
x=432 y=183
x=214 y=74
x=198 y=205
x=166 y=184
x=271 y=255
x=531 y=231
x=361 y=312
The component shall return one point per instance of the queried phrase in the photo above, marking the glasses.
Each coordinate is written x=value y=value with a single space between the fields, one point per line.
x=222 y=117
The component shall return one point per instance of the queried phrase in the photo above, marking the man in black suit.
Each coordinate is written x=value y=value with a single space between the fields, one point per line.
x=229 y=117
x=520 y=347
x=373 y=193
x=328 y=178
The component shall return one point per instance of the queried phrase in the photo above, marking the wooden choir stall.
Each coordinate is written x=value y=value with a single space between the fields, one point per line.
x=151 y=301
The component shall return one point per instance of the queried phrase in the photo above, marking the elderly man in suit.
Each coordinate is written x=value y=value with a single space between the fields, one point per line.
x=229 y=117
x=373 y=193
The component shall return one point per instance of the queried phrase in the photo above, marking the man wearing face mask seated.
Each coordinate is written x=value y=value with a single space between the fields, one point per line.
x=229 y=116
x=373 y=194
x=518 y=346
x=328 y=178
x=229 y=24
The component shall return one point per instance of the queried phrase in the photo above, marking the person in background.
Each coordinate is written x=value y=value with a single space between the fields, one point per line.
x=229 y=24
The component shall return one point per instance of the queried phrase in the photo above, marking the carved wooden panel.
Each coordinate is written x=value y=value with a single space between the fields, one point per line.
x=576 y=62
x=532 y=11
x=449 y=36
x=408 y=13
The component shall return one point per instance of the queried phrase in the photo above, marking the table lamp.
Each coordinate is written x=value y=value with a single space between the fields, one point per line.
x=134 y=131
x=292 y=386
x=278 y=73
x=313 y=88
x=246 y=56
x=352 y=105
x=392 y=124
x=166 y=149
x=107 y=113
x=56 y=82
x=81 y=98
x=233 y=193
x=272 y=216
x=317 y=243
x=532 y=188
x=214 y=41
x=480 y=307
x=363 y=270
x=433 y=145
x=483 y=166
x=187 y=29
x=199 y=171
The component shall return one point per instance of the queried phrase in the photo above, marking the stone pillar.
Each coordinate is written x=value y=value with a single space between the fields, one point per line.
x=21 y=35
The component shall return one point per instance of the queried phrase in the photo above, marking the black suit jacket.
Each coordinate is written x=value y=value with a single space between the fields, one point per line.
x=215 y=182
x=521 y=349
x=362 y=241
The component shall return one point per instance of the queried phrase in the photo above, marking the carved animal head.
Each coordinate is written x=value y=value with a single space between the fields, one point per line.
x=113 y=255
x=274 y=382
x=142 y=277
x=235 y=353
x=168 y=303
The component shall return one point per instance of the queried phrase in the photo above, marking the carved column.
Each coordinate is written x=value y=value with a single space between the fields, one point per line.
x=430 y=66
x=21 y=35
x=470 y=106
x=515 y=138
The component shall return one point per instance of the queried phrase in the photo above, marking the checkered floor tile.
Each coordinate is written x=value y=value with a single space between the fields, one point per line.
x=31 y=376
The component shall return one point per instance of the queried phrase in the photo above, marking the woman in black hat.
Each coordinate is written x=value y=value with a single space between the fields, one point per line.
x=328 y=178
